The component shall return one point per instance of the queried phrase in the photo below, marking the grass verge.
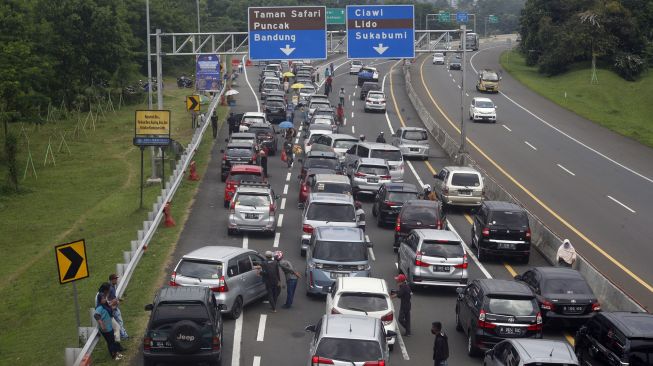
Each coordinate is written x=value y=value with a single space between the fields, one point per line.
x=617 y=104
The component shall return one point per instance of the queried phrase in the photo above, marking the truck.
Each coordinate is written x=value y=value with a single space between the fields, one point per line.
x=471 y=42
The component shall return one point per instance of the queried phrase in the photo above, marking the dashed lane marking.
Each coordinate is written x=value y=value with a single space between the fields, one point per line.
x=261 y=328
x=283 y=203
x=566 y=170
x=530 y=145
x=277 y=238
x=507 y=128
x=280 y=222
x=621 y=204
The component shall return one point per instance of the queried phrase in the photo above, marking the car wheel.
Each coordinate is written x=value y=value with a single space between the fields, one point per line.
x=459 y=327
x=236 y=308
x=472 y=350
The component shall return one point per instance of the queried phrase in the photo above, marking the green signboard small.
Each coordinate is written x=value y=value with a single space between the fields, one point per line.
x=493 y=19
x=444 y=17
x=335 y=16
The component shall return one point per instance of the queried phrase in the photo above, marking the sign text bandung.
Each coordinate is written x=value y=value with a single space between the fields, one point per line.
x=207 y=73
x=380 y=31
x=287 y=33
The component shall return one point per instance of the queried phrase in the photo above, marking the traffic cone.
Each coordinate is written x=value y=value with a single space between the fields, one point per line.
x=248 y=62
x=169 y=221
x=193 y=172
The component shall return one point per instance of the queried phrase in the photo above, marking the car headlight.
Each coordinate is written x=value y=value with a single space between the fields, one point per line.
x=362 y=267
x=319 y=265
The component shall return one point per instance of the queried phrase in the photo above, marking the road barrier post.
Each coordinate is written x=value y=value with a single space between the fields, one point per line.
x=169 y=221
x=193 y=172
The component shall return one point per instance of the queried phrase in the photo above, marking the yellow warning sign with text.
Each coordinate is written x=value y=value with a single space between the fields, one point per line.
x=71 y=261
x=152 y=123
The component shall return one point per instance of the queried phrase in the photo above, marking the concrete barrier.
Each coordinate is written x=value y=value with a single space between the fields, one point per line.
x=543 y=239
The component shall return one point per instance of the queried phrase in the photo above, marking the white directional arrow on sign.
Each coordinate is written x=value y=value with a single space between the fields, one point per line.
x=380 y=49
x=287 y=50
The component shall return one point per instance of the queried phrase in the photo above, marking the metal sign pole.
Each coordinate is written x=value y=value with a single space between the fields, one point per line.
x=149 y=78
x=463 y=42
x=76 y=302
x=163 y=167
x=142 y=150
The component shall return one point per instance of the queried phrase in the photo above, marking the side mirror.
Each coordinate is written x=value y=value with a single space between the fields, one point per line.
x=149 y=307
x=310 y=328
x=222 y=307
x=459 y=290
x=518 y=277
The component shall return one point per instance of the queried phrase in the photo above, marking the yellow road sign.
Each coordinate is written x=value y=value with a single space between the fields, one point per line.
x=71 y=261
x=193 y=103
x=152 y=123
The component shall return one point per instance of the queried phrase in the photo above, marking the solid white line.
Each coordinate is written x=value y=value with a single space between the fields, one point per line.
x=283 y=203
x=261 y=328
x=277 y=237
x=245 y=241
x=285 y=189
x=371 y=251
x=288 y=177
x=257 y=361
x=469 y=252
x=238 y=335
x=383 y=83
x=529 y=144
x=353 y=130
x=622 y=205
x=258 y=105
x=507 y=128
x=280 y=222
x=402 y=345
x=565 y=169
x=410 y=165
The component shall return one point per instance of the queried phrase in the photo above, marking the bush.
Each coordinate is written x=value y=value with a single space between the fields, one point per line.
x=629 y=66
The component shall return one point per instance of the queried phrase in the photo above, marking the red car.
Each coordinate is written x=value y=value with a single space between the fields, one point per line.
x=239 y=173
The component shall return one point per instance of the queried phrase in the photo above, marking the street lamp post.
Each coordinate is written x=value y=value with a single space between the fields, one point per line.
x=149 y=83
x=463 y=137
x=198 y=15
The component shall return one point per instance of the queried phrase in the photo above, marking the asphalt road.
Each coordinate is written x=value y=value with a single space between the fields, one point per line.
x=261 y=337
x=585 y=182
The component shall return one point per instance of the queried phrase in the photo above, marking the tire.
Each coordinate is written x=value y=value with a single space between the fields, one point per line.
x=472 y=350
x=459 y=327
x=223 y=178
x=192 y=337
x=236 y=308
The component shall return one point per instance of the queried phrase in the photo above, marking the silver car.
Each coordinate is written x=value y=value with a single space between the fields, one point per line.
x=229 y=273
x=326 y=209
x=253 y=208
x=381 y=151
x=524 y=351
x=412 y=141
x=348 y=340
x=432 y=257
x=459 y=186
x=368 y=175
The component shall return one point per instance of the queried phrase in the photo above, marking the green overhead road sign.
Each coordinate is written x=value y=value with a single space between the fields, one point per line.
x=335 y=16
x=444 y=17
x=493 y=19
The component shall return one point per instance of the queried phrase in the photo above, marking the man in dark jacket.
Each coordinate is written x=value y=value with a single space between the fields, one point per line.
x=269 y=270
x=440 y=345
x=403 y=294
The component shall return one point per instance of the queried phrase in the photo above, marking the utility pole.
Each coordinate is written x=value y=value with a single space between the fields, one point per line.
x=198 y=15
x=463 y=135
x=154 y=177
x=485 y=27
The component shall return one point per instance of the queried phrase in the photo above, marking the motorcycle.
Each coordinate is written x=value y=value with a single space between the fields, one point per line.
x=184 y=82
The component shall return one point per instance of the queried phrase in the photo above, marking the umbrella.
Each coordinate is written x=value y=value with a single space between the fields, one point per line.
x=297 y=86
x=231 y=92
x=286 y=124
x=288 y=74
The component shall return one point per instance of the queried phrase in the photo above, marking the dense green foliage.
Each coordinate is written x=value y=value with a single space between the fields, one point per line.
x=618 y=33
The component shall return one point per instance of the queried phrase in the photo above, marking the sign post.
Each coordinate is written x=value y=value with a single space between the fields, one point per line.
x=72 y=265
x=335 y=16
x=287 y=33
x=152 y=128
x=380 y=31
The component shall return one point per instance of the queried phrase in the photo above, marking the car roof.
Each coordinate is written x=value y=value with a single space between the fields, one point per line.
x=433 y=234
x=261 y=124
x=343 y=136
x=502 y=205
x=363 y=284
x=401 y=187
x=493 y=286
x=558 y=273
x=243 y=134
x=339 y=233
x=240 y=144
x=350 y=326
x=372 y=161
x=216 y=252
x=331 y=178
x=632 y=324
x=321 y=154
x=246 y=169
x=339 y=198
x=544 y=350
x=482 y=99
x=254 y=114
x=461 y=169
x=378 y=146
x=183 y=294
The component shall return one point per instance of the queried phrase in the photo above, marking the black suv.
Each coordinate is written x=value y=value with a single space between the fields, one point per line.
x=418 y=214
x=237 y=153
x=320 y=160
x=266 y=136
x=389 y=200
x=501 y=229
x=490 y=310
x=619 y=338
x=185 y=326
x=367 y=86
x=275 y=110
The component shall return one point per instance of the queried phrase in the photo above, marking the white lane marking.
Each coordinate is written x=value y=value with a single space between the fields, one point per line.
x=352 y=114
x=245 y=241
x=238 y=335
x=353 y=130
x=454 y=80
x=257 y=361
x=277 y=237
x=402 y=345
x=383 y=83
x=650 y=180
x=531 y=146
x=410 y=165
x=297 y=140
x=387 y=117
x=352 y=103
x=345 y=121
x=622 y=205
x=285 y=189
x=396 y=265
x=283 y=203
x=349 y=97
x=469 y=252
x=258 y=105
x=280 y=222
x=371 y=251
x=507 y=128
x=466 y=94
x=565 y=169
x=301 y=127
x=261 y=328
x=458 y=86
x=288 y=177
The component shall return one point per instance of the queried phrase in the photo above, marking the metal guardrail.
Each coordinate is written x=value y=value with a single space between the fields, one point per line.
x=76 y=356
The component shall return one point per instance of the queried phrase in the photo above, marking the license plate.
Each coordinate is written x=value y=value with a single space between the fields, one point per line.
x=509 y=331
x=162 y=344
x=339 y=274
x=251 y=216
x=465 y=192
x=573 y=309
x=506 y=246
x=441 y=268
x=414 y=149
x=373 y=180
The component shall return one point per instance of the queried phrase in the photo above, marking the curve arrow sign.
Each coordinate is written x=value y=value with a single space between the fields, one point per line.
x=75 y=259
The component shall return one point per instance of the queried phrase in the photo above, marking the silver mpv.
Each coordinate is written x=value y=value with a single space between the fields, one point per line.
x=432 y=257
x=227 y=271
x=412 y=141
x=326 y=209
x=368 y=175
x=253 y=208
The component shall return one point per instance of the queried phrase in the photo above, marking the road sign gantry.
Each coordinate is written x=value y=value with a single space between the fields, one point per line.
x=380 y=31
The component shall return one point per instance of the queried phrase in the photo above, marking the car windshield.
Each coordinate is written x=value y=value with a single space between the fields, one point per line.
x=490 y=76
x=324 y=211
x=510 y=218
x=352 y=350
x=420 y=213
x=248 y=177
x=401 y=196
x=250 y=120
x=344 y=144
x=329 y=187
x=447 y=249
x=641 y=353
x=415 y=135
x=319 y=103
x=356 y=62
x=253 y=200
x=390 y=155
x=239 y=152
x=484 y=104
x=566 y=286
x=275 y=103
x=340 y=251
x=199 y=268
x=438 y=55
x=465 y=180
x=169 y=312
x=511 y=306
x=373 y=170
x=361 y=301
x=307 y=90
x=321 y=163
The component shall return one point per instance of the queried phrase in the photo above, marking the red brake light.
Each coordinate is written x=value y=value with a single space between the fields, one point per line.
x=272 y=209
x=464 y=265
x=388 y=318
x=596 y=306
x=386 y=177
x=216 y=343
x=390 y=203
x=528 y=233
x=375 y=363
x=317 y=360
x=482 y=323
x=398 y=224
x=308 y=229
x=486 y=231
x=173 y=278
x=418 y=261
x=304 y=187
x=538 y=323
x=147 y=343
x=547 y=305
x=438 y=224
x=359 y=174
x=221 y=287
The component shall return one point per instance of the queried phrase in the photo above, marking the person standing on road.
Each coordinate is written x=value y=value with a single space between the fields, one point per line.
x=233 y=123
x=380 y=138
x=286 y=85
x=103 y=317
x=331 y=67
x=340 y=114
x=264 y=160
x=214 y=124
x=291 y=278
x=440 y=345
x=114 y=301
x=404 y=295
x=269 y=270
x=341 y=95
x=566 y=254
x=360 y=215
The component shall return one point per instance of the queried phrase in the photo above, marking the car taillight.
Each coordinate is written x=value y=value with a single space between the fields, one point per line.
x=386 y=177
x=482 y=323
x=253 y=158
x=359 y=174
x=173 y=279
x=230 y=184
x=147 y=343
x=438 y=224
x=334 y=311
x=221 y=287
x=528 y=233
x=464 y=264
x=486 y=231
x=232 y=207
x=418 y=261
x=538 y=323
x=374 y=363
x=445 y=190
x=310 y=277
x=317 y=360
x=390 y=203
x=304 y=187
x=308 y=229
x=388 y=318
x=224 y=157
x=547 y=305
x=398 y=224
x=216 y=343
x=596 y=306
x=272 y=209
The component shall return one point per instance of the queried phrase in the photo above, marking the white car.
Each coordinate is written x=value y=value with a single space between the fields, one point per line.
x=363 y=296
x=375 y=101
x=355 y=67
x=312 y=136
x=483 y=109
x=252 y=117
x=306 y=92
x=438 y=59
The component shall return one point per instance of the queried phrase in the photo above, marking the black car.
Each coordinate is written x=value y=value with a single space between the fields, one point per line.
x=275 y=110
x=389 y=200
x=455 y=65
x=619 y=338
x=490 y=310
x=185 y=326
x=418 y=214
x=320 y=160
x=367 y=87
x=562 y=293
x=501 y=229
x=266 y=136
x=237 y=153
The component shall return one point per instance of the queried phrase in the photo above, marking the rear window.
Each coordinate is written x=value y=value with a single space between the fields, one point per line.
x=359 y=301
x=251 y=177
x=375 y=96
x=319 y=103
x=199 y=269
x=566 y=286
x=354 y=350
x=275 y=104
x=450 y=249
x=390 y=155
x=420 y=213
x=250 y=120
x=261 y=130
x=509 y=218
x=321 y=163
x=332 y=188
x=340 y=251
x=322 y=121
x=307 y=90
x=271 y=86
x=253 y=200
x=415 y=135
x=511 y=306
x=173 y=312
x=323 y=211
x=465 y=180
x=401 y=196
x=239 y=152
x=373 y=170
x=344 y=144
